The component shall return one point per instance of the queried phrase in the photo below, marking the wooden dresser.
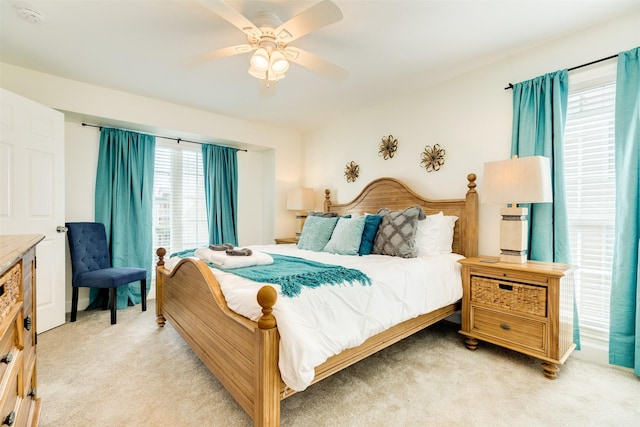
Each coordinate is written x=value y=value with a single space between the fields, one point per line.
x=524 y=307
x=19 y=403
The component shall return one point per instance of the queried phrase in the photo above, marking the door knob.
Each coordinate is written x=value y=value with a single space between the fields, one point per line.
x=61 y=229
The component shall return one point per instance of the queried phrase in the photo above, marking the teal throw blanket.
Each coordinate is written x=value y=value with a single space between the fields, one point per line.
x=292 y=273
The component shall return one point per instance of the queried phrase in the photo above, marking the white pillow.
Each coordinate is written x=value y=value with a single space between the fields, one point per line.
x=445 y=237
x=435 y=234
x=427 y=236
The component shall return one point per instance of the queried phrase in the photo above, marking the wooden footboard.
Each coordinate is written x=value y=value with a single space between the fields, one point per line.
x=242 y=354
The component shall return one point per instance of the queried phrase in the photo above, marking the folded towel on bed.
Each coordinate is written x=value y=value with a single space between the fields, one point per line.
x=239 y=252
x=223 y=260
x=221 y=247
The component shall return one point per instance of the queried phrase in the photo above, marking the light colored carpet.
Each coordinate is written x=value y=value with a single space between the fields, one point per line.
x=136 y=374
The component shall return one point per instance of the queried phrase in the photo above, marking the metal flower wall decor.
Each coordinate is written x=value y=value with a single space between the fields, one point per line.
x=388 y=147
x=432 y=158
x=351 y=172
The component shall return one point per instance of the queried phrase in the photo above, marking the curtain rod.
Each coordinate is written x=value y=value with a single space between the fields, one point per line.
x=178 y=140
x=578 y=66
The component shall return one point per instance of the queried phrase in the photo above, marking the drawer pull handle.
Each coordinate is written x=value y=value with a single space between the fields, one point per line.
x=505 y=287
x=7 y=358
x=28 y=323
x=10 y=419
x=32 y=393
x=505 y=326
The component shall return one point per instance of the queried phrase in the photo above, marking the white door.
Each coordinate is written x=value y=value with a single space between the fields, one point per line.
x=32 y=194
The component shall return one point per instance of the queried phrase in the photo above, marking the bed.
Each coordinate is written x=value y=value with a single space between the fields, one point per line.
x=243 y=354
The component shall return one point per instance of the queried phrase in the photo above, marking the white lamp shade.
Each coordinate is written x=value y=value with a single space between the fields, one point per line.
x=300 y=199
x=517 y=180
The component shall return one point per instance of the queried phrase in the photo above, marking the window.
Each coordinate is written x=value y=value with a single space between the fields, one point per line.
x=179 y=211
x=590 y=181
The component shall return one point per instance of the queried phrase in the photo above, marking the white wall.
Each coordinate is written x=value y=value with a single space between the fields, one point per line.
x=269 y=168
x=83 y=102
x=469 y=116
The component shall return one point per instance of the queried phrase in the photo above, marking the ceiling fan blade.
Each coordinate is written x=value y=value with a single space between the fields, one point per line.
x=320 y=15
x=230 y=14
x=213 y=55
x=315 y=63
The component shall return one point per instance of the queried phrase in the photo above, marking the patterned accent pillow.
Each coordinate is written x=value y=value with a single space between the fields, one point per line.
x=397 y=232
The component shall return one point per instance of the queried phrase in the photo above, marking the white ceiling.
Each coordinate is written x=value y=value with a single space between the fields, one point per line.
x=390 y=47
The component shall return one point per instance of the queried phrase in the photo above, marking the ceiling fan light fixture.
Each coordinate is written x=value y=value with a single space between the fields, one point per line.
x=279 y=64
x=260 y=60
x=261 y=75
x=268 y=38
x=275 y=76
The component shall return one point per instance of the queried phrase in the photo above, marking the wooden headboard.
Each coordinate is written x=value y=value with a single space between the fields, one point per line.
x=394 y=194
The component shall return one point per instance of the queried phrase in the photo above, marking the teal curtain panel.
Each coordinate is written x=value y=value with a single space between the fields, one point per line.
x=539 y=117
x=220 y=170
x=624 y=334
x=124 y=204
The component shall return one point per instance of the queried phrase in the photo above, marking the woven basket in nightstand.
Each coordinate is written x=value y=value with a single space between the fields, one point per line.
x=517 y=297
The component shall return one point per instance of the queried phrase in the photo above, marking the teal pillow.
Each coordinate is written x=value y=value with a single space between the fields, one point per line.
x=346 y=237
x=371 y=224
x=316 y=233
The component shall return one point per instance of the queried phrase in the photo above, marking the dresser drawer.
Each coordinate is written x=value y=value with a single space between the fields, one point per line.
x=516 y=297
x=19 y=403
x=514 y=329
x=10 y=401
x=28 y=413
x=8 y=350
x=10 y=289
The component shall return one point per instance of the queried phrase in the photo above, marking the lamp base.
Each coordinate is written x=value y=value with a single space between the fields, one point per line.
x=513 y=257
x=514 y=229
x=301 y=217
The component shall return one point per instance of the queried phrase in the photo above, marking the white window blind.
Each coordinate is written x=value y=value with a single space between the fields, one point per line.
x=179 y=211
x=590 y=181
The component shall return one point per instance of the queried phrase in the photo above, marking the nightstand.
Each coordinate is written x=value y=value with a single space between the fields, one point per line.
x=523 y=307
x=286 y=240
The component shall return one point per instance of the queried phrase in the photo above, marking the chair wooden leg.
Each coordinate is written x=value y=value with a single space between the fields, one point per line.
x=74 y=304
x=113 y=303
x=143 y=292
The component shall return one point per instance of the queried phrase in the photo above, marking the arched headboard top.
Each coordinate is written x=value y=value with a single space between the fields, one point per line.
x=393 y=194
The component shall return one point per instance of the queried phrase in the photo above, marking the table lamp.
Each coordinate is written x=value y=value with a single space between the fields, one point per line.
x=300 y=200
x=513 y=181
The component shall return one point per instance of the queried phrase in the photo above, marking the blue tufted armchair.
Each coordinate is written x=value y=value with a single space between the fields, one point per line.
x=91 y=265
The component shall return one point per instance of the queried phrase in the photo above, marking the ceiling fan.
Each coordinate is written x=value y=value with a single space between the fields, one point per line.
x=270 y=40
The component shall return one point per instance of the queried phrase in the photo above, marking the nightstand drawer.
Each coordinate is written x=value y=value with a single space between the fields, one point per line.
x=516 y=297
x=514 y=329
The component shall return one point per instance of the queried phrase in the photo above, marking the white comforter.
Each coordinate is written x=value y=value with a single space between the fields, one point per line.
x=324 y=321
